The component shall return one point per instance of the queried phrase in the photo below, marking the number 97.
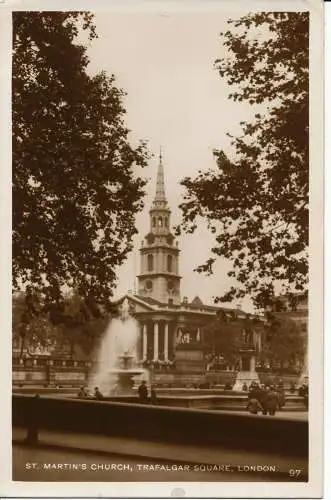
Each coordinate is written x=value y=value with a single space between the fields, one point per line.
x=295 y=472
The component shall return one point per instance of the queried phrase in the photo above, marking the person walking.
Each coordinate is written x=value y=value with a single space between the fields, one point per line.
x=143 y=393
x=272 y=401
x=254 y=406
x=263 y=398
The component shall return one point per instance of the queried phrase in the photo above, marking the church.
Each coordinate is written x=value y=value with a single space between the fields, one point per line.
x=168 y=323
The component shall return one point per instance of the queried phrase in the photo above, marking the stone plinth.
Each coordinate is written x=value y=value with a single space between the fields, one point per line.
x=190 y=358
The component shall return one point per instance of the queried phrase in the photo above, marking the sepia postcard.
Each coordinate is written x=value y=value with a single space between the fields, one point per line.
x=162 y=221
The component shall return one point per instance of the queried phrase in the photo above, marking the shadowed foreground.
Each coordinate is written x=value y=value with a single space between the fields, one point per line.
x=76 y=457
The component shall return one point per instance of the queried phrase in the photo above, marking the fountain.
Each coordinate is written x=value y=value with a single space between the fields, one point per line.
x=117 y=370
x=125 y=374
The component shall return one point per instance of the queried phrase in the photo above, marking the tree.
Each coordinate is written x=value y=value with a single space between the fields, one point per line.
x=227 y=336
x=75 y=187
x=70 y=328
x=284 y=343
x=256 y=204
x=31 y=325
x=80 y=324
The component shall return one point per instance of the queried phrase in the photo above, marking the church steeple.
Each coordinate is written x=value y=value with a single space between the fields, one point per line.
x=159 y=276
x=160 y=196
x=160 y=211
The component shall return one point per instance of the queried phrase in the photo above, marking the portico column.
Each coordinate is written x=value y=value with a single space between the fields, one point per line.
x=174 y=339
x=166 y=342
x=144 y=342
x=156 y=341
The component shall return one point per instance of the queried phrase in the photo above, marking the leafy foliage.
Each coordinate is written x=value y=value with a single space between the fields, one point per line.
x=284 y=342
x=75 y=191
x=257 y=203
x=226 y=336
x=31 y=326
x=71 y=328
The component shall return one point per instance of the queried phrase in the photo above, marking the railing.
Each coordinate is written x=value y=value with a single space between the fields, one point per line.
x=36 y=361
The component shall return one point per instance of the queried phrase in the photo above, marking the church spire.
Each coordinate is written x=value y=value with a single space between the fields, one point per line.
x=159 y=278
x=160 y=189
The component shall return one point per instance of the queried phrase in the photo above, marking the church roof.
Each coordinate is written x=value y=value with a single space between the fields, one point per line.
x=197 y=308
x=149 y=300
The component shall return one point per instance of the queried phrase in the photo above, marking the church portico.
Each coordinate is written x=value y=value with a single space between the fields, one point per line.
x=157 y=338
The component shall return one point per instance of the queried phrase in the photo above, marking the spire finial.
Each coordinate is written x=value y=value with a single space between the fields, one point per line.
x=160 y=156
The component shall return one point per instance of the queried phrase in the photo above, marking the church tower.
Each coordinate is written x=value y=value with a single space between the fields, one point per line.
x=159 y=254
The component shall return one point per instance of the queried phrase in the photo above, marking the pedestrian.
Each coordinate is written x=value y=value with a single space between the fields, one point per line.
x=244 y=387
x=254 y=391
x=82 y=393
x=263 y=398
x=254 y=406
x=272 y=401
x=142 y=392
x=153 y=395
x=97 y=393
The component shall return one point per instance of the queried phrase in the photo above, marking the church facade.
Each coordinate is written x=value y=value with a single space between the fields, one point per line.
x=168 y=323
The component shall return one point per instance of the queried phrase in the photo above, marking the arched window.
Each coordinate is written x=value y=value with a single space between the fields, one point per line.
x=169 y=263
x=160 y=222
x=166 y=221
x=153 y=222
x=150 y=262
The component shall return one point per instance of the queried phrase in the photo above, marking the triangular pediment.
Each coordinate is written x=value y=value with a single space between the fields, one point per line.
x=131 y=304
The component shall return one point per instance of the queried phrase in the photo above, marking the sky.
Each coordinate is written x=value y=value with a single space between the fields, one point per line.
x=175 y=99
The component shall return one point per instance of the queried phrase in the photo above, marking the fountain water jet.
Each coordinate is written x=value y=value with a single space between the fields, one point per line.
x=117 y=369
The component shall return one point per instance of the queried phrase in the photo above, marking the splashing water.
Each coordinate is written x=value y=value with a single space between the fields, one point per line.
x=120 y=337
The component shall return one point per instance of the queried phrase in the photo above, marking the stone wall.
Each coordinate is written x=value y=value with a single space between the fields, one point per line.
x=75 y=373
x=245 y=432
x=49 y=372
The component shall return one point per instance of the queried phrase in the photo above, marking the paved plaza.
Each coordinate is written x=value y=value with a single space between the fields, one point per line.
x=87 y=449
x=97 y=467
x=292 y=415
